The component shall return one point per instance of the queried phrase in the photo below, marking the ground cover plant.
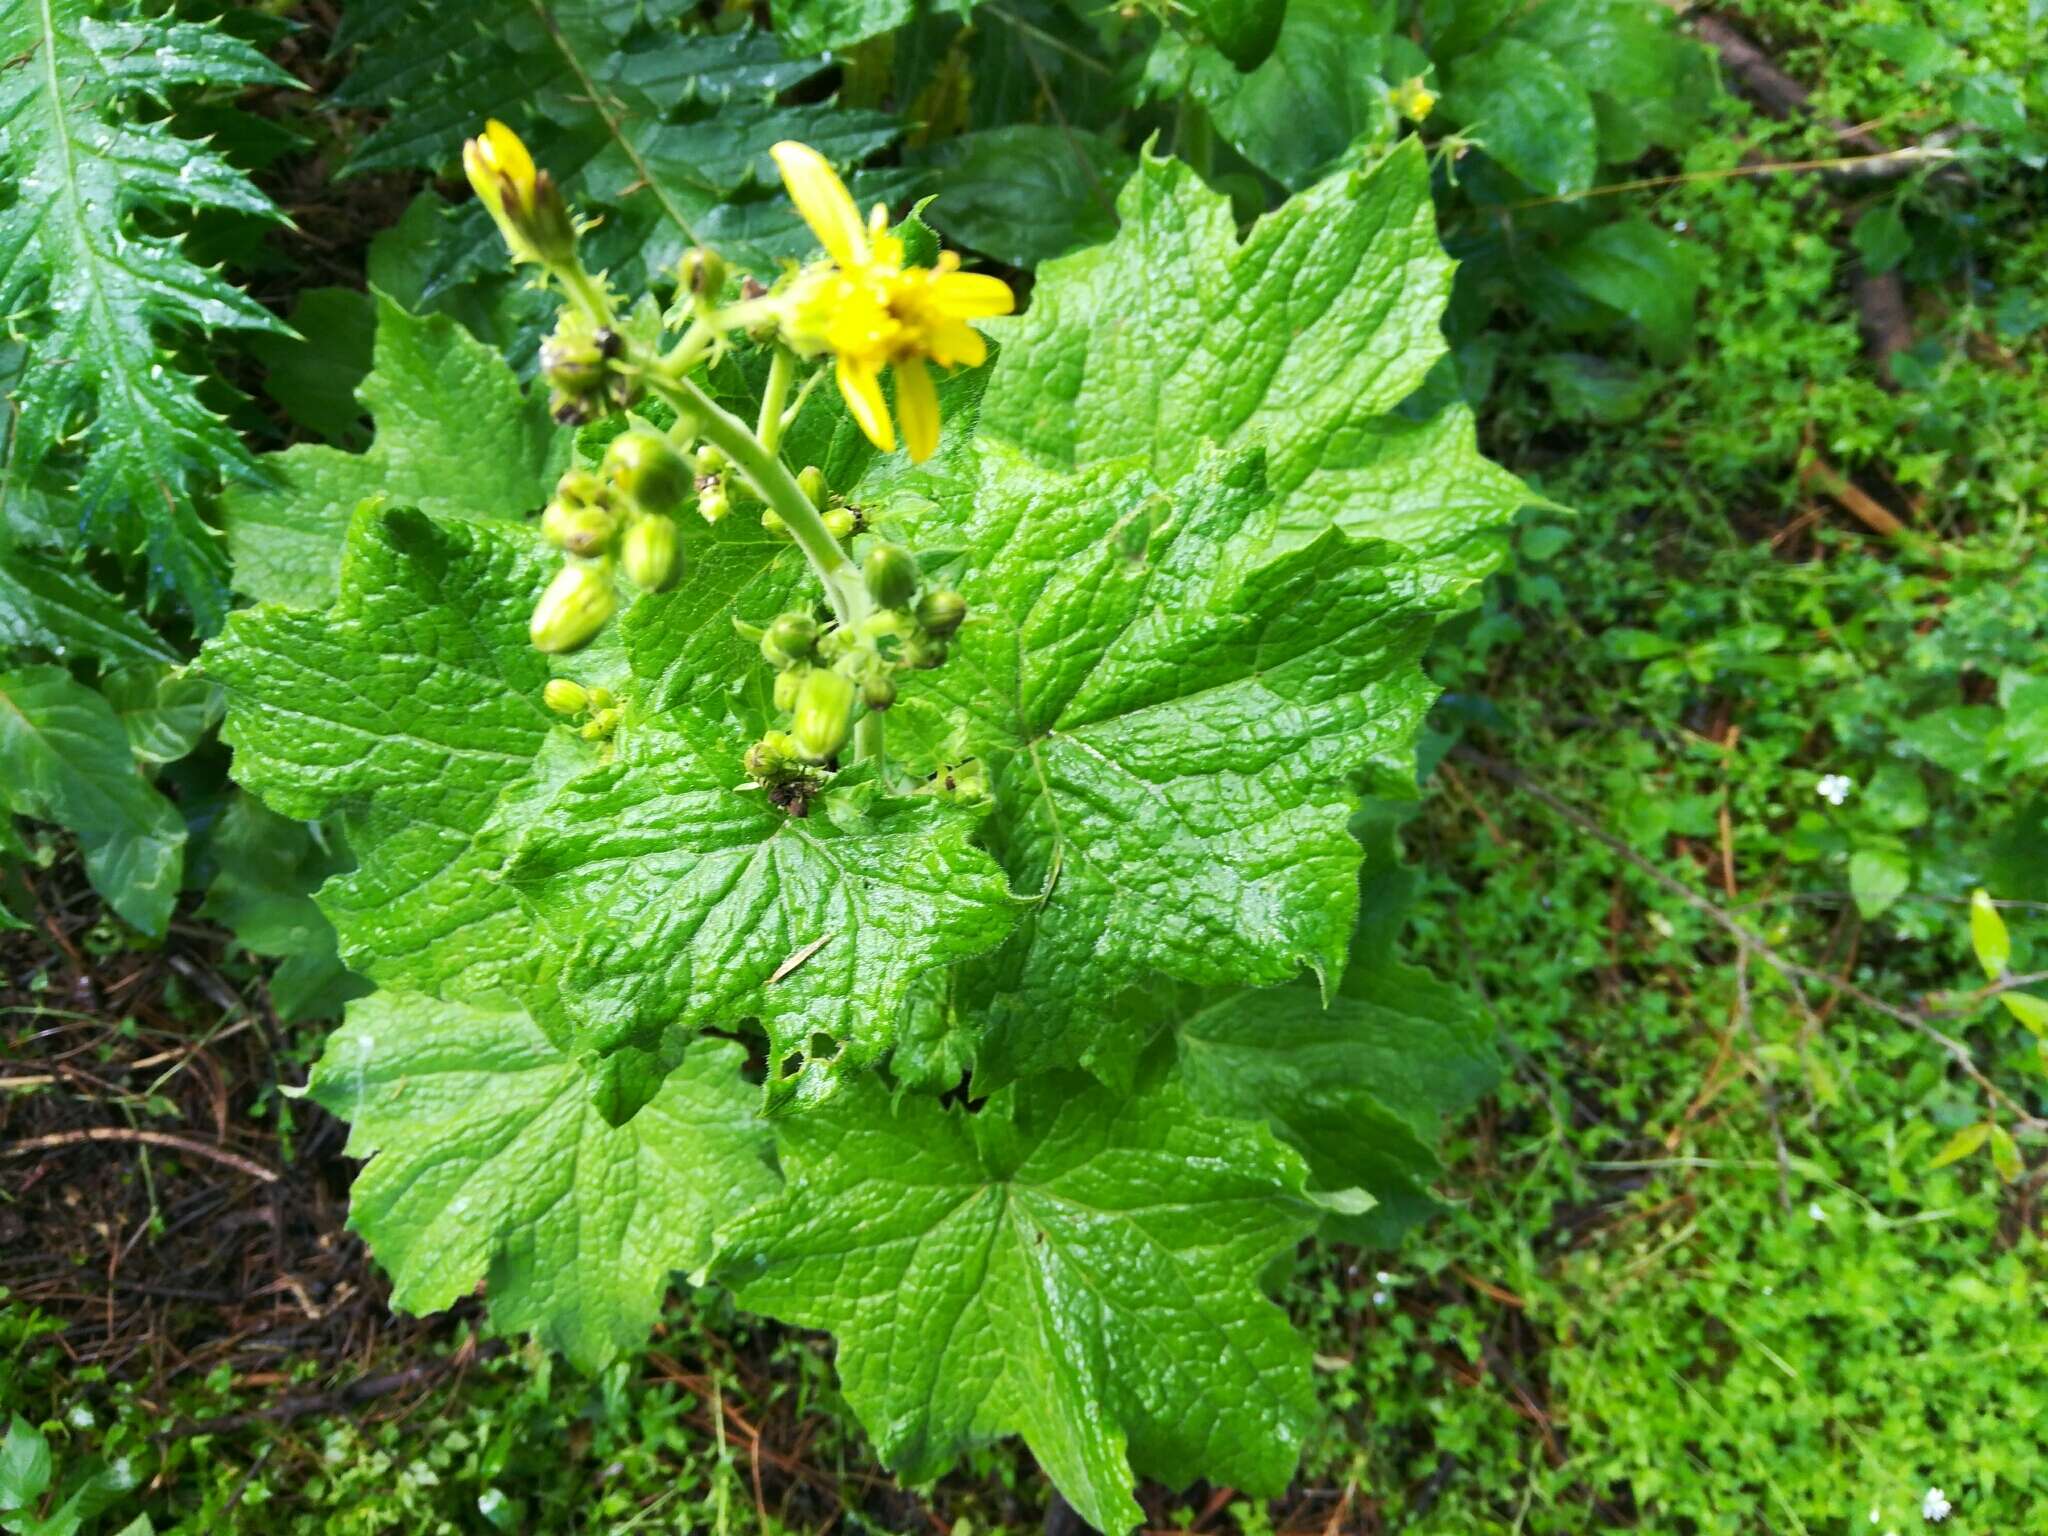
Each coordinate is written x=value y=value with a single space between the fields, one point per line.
x=1188 y=679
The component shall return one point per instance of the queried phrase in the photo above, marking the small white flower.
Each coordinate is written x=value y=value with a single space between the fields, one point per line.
x=1935 y=1506
x=1834 y=787
x=1381 y=1298
x=1874 y=1515
x=1816 y=1212
x=1383 y=1276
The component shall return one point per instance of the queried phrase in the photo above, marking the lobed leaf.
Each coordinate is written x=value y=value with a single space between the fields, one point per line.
x=1303 y=337
x=99 y=290
x=488 y=1163
x=1073 y=1265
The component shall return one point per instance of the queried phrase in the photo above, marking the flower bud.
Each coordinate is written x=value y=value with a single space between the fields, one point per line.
x=840 y=522
x=877 y=691
x=579 y=530
x=573 y=410
x=891 y=575
x=824 y=715
x=941 y=612
x=572 y=609
x=601 y=698
x=565 y=697
x=772 y=521
x=787 y=685
x=712 y=501
x=711 y=460
x=652 y=553
x=702 y=272
x=646 y=470
x=581 y=488
x=811 y=481
x=523 y=201
x=790 y=639
x=772 y=757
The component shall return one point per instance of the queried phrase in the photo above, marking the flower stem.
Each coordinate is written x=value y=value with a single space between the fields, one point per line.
x=868 y=739
x=781 y=373
x=773 y=482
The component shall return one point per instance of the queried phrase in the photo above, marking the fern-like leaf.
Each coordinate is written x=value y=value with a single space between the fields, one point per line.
x=97 y=292
x=663 y=128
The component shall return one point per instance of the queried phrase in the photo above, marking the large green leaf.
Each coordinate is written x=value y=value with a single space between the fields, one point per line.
x=1532 y=113
x=1303 y=337
x=455 y=437
x=1070 y=1264
x=65 y=758
x=487 y=1162
x=698 y=901
x=87 y=271
x=813 y=26
x=1316 y=95
x=1173 y=723
x=413 y=711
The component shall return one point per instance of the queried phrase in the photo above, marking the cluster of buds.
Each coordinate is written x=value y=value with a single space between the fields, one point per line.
x=595 y=708
x=825 y=675
x=579 y=362
x=840 y=520
x=619 y=517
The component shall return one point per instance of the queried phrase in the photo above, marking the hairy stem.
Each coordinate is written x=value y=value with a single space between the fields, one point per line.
x=773 y=482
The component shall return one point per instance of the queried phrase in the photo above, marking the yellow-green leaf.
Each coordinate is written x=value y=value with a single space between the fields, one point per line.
x=2030 y=1010
x=1962 y=1144
x=1988 y=935
x=2005 y=1156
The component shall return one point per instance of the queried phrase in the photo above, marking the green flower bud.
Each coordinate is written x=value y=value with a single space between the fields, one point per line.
x=840 y=522
x=772 y=521
x=811 y=481
x=647 y=471
x=582 y=488
x=572 y=609
x=565 y=697
x=702 y=272
x=926 y=653
x=786 y=686
x=772 y=757
x=710 y=460
x=790 y=639
x=712 y=501
x=941 y=612
x=824 y=715
x=891 y=575
x=601 y=698
x=574 y=410
x=574 y=363
x=877 y=691
x=579 y=530
x=652 y=553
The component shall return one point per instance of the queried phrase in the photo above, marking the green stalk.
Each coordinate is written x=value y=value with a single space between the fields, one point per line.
x=781 y=374
x=774 y=484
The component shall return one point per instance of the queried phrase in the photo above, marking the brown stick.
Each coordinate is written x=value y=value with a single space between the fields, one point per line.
x=59 y=1139
x=1867 y=508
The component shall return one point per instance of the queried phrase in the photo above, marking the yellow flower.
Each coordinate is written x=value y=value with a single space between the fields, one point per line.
x=871 y=312
x=523 y=201
x=1412 y=99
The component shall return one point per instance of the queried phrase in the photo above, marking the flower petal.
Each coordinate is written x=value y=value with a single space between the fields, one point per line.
x=917 y=402
x=861 y=383
x=508 y=156
x=972 y=295
x=821 y=197
x=952 y=343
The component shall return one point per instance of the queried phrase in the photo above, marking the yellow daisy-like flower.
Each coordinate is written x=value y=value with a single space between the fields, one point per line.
x=872 y=312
